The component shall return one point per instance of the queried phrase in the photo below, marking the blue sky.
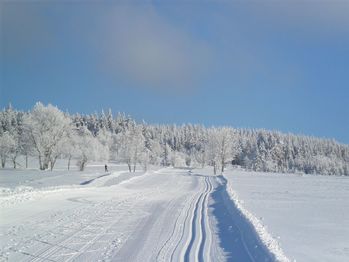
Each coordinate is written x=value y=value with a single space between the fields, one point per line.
x=259 y=64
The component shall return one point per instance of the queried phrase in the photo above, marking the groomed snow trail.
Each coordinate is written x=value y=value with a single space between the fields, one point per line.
x=168 y=215
x=191 y=235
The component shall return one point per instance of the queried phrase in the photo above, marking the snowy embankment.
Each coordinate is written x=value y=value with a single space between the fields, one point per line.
x=271 y=243
x=308 y=216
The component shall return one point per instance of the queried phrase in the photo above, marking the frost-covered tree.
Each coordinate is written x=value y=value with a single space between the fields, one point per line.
x=26 y=146
x=7 y=146
x=11 y=122
x=178 y=159
x=40 y=133
x=201 y=153
x=166 y=155
x=16 y=150
x=105 y=138
x=86 y=147
x=144 y=158
x=115 y=145
x=220 y=148
x=46 y=127
x=69 y=148
x=212 y=152
x=154 y=150
x=133 y=146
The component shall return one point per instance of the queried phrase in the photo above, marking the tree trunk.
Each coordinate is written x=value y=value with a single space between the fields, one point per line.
x=69 y=162
x=82 y=165
x=40 y=163
x=45 y=165
x=47 y=160
x=3 y=161
x=134 y=168
x=129 y=167
x=14 y=157
x=53 y=162
x=214 y=169
x=26 y=160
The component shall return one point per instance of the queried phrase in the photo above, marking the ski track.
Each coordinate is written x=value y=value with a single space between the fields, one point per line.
x=191 y=235
x=67 y=242
x=107 y=230
x=199 y=224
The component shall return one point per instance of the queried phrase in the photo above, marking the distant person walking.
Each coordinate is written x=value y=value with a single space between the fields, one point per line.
x=106 y=168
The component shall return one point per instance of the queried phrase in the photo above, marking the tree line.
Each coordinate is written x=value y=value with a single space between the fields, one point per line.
x=48 y=133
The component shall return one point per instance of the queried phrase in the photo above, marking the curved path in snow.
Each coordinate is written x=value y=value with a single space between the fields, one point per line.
x=190 y=239
x=168 y=215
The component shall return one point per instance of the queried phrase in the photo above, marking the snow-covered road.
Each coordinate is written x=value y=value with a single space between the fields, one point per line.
x=167 y=215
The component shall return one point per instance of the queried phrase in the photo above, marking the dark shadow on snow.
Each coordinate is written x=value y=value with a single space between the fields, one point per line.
x=114 y=180
x=237 y=236
x=91 y=180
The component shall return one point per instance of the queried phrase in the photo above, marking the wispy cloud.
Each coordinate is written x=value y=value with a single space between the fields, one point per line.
x=146 y=50
x=140 y=46
x=131 y=42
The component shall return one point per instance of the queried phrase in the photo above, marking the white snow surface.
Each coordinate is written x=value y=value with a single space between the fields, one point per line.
x=155 y=216
x=261 y=230
x=304 y=217
x=170 y=215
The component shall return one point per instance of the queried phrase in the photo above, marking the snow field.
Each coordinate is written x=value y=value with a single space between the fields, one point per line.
x=174 y=215
x=305 y=215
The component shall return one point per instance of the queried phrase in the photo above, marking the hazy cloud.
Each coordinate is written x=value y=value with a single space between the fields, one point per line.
x=130 y=42
x=146 y=50
x=138 y=45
